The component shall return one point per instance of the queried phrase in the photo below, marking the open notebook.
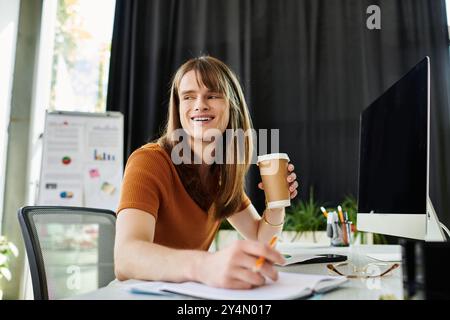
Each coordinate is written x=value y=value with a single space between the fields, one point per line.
x=288 y=286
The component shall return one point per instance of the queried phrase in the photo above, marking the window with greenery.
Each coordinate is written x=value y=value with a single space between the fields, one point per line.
x=81 y=54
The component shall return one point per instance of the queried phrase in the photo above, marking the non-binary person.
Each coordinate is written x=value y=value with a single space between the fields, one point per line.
x=170 y=212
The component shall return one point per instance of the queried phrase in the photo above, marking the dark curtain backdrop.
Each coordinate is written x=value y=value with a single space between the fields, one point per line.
x=307 y=67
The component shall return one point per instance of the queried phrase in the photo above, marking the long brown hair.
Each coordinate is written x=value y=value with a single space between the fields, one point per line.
x=218 y=77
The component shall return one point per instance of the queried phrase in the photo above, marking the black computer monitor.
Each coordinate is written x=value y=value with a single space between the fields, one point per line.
x=393 y=164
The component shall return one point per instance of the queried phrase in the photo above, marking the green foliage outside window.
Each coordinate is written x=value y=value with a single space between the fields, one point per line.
x=7 y=251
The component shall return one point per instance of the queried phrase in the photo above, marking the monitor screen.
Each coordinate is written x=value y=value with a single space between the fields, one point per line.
x=393 y=147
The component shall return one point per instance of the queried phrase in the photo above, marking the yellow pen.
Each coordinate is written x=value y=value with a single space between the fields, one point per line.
x=259 y=263
x=325 y=213
x=341 y=215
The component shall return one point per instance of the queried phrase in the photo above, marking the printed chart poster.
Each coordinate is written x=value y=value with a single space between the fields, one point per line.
x=102 y=185
x=61 y=181
x=82 y=160
x=62 y=193
x=103 y=175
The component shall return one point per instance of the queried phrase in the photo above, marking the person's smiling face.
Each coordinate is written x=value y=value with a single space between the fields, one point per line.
x=201 y=108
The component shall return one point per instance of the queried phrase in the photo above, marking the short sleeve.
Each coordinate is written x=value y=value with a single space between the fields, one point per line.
x=245 y=202
x=145 y=181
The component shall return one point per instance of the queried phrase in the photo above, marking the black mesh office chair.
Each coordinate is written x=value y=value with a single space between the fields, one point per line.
x=70 y=250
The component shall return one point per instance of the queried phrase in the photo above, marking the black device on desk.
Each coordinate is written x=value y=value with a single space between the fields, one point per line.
x=317 y=258
x=425 y=269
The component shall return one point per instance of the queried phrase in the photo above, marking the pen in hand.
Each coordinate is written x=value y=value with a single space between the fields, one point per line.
x=259 y=263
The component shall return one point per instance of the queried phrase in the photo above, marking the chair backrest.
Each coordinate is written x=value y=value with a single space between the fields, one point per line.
x=70 y=249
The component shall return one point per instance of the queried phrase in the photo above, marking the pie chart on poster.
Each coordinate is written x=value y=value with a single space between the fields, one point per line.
x=66 y=195
x=66 y=160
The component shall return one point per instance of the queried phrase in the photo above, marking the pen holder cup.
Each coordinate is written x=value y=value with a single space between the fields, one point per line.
x=341 y=235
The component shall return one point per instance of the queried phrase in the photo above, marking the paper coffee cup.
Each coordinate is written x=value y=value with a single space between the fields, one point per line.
x=274 y=172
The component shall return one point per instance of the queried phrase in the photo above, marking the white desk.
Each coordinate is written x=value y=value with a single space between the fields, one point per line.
x=355 y=289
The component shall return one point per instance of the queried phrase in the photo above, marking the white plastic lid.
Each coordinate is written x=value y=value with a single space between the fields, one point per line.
x=272 y=156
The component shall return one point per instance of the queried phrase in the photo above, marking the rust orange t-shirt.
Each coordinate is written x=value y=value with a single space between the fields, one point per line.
x=151 y=183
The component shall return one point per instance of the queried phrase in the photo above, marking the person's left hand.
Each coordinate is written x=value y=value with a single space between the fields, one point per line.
x=292 y=180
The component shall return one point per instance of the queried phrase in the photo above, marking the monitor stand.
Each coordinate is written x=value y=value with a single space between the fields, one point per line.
x=434 y=230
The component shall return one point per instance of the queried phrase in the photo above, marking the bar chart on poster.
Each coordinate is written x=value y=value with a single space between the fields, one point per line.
x=82 y=159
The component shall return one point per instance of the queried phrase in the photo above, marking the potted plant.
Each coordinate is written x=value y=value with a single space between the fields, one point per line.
x=304 y=217
x=7 y=251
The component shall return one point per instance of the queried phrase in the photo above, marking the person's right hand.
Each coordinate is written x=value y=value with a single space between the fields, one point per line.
x=233 y=267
